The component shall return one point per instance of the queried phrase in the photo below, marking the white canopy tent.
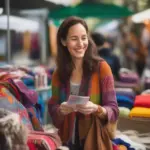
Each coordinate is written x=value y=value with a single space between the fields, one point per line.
x=141 y=16
x=108 y=27
x=63 y=2
x=18 y=24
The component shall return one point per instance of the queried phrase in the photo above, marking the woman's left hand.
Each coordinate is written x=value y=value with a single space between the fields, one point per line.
x=88 y=108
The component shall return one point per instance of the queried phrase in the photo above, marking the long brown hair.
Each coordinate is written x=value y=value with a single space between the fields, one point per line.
x=64 y=61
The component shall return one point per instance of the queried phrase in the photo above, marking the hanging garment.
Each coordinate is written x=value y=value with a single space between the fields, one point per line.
x=29 y=97
x=35 y=119
x=29 y=100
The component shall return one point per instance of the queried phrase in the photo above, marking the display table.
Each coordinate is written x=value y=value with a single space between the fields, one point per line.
x=141 y=125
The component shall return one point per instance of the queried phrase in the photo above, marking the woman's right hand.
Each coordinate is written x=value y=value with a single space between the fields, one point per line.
x=65 y=109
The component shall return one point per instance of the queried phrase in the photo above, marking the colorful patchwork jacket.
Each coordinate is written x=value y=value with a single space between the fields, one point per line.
x=101 y=92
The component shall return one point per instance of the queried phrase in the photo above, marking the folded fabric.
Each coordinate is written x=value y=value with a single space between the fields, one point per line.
x=127 y=105
x=130 y=95
x=128 y=90
x=53 y=136
x=125 y=92
x=28 y=96
x=122 y=98
x=142 y=101
x=122 y=147
x=115 y=147
x=129 y=78
x=124 y=112
x=41 y=140
x=124 y=101
x=127 y=75
x=119 y=141
x=140 y=112
x=125 y=85
x=128 y=141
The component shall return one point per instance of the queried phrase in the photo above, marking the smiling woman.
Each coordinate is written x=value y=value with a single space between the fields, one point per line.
x=77 y=75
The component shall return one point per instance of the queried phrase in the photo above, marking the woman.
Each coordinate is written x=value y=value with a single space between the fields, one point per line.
x=78 y=73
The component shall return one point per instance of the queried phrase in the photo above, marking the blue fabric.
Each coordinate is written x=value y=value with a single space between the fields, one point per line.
x=130 y=95
x=28 y=81
x=121 y=104
x=125 y=99
x=119 y=141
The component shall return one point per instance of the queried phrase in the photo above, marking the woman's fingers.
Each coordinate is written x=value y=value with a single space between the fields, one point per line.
x=65 y=110
x=85 y=111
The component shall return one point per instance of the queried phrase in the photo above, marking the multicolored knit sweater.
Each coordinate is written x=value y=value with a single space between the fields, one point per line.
x=102 y=94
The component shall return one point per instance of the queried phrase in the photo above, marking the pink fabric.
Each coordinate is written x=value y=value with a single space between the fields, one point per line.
x=115 y=147
x=31 y=146
x=54 y=137
x=42 y=140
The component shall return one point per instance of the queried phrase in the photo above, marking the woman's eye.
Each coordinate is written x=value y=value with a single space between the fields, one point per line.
x=84 y=38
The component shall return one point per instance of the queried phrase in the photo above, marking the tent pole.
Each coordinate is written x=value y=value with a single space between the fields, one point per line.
x=8 y=43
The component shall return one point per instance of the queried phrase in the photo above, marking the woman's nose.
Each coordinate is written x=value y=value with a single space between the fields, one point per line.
x=80 y=42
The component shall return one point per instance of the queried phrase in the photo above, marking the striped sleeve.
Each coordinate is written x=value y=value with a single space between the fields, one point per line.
x=109 y=101
x=53 y=104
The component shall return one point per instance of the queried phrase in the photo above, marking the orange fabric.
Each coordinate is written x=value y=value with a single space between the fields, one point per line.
x=122 y=147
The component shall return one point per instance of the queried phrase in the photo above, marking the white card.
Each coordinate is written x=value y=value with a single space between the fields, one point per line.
x=77 y=100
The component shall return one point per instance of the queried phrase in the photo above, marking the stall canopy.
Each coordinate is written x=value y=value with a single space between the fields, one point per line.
x=91 y=9
x=30 y=4
x=19 y=24
x=141 y=16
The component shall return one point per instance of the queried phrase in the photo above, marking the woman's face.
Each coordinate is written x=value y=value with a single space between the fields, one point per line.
x=77 y=41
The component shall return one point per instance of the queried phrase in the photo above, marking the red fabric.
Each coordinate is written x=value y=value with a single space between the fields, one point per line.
x=142 y=101
x=42 y=139
x=31 y=146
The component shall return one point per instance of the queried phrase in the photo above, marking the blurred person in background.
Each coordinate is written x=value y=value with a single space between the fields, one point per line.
x=105 y=48
x=136 y=52
x=77 y=73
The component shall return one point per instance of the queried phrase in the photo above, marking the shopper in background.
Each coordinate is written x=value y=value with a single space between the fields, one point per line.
x=105 y=48
x=80 y=72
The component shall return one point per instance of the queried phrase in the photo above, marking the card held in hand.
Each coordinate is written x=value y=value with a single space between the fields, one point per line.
x=77 y=100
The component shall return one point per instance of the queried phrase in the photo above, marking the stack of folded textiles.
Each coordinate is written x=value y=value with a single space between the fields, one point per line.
x=127 y=79
x=125 y=99
x=141 y=107
x=125 y=90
